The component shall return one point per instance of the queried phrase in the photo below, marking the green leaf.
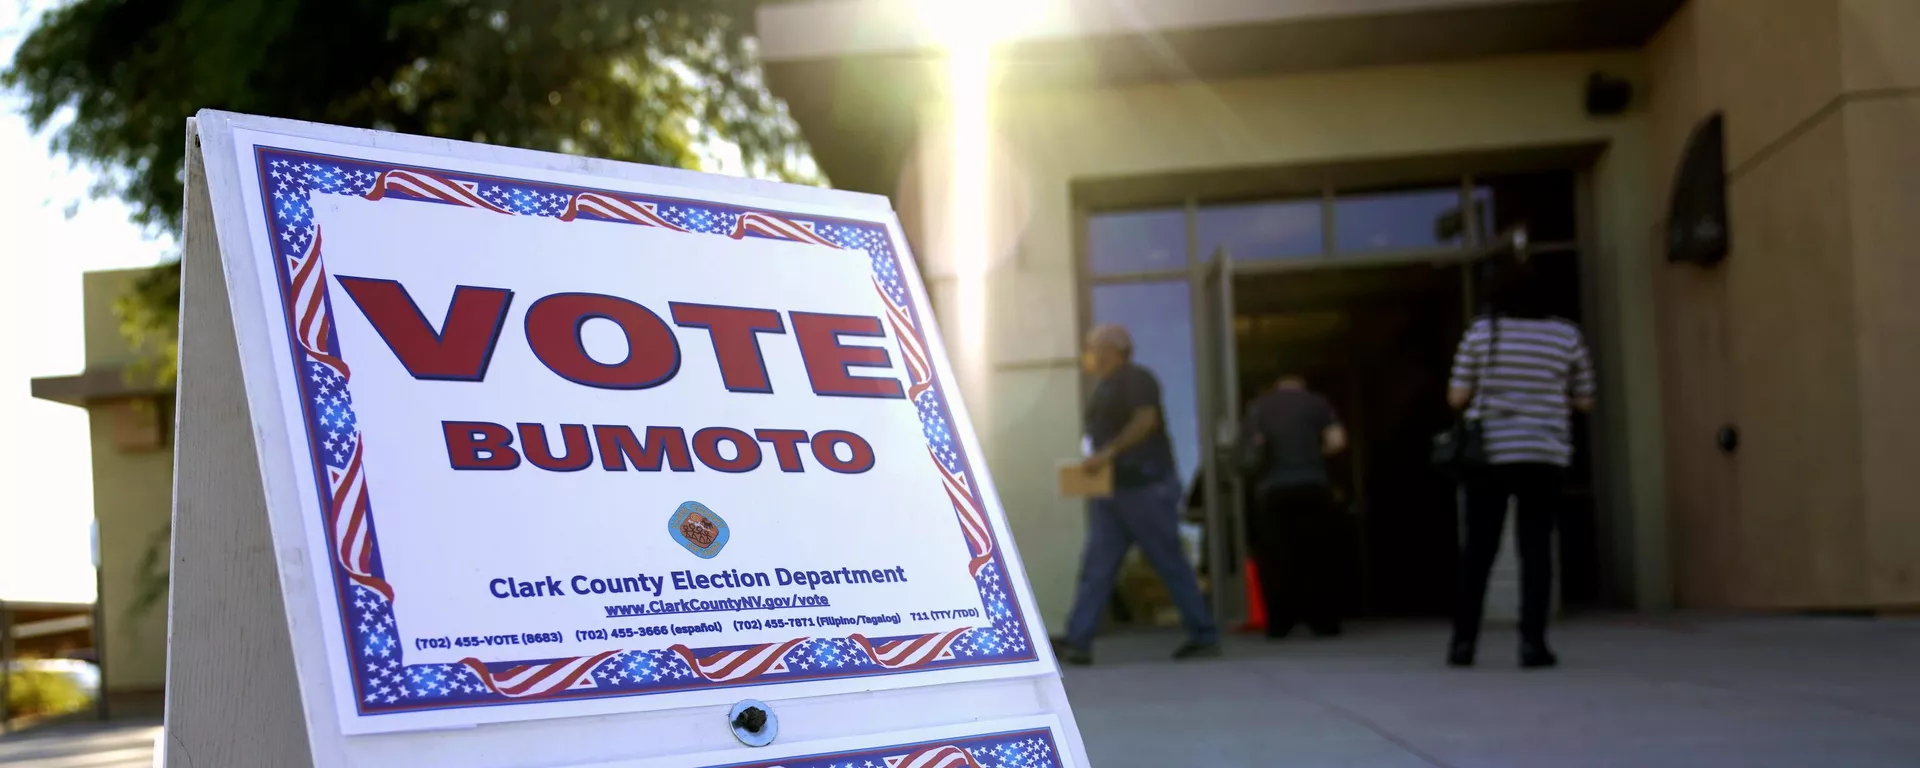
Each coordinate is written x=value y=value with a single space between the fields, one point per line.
x=650 y=81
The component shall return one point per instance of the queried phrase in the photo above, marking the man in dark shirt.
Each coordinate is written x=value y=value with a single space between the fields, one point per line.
x=1127 y=431
x=1287 y=435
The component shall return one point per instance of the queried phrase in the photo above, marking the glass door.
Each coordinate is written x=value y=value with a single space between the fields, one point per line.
x=1219 y=401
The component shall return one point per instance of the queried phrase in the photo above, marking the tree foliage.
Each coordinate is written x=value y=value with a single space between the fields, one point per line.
x=651 y=81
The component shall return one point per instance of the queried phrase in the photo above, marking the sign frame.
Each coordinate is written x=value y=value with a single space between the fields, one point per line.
x=209 y=433
x=1034 y=742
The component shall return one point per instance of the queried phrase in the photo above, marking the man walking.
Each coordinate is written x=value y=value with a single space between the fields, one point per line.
x=1288 y=433
x=1127 y=429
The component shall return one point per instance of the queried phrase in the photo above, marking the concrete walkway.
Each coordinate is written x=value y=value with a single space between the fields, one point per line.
x=1630 y=692
x=1634 y=691
x=89 y=745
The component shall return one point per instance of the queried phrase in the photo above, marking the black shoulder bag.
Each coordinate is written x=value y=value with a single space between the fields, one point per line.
x=1463 y=447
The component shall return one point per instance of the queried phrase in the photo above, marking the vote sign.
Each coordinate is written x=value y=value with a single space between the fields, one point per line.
x=567 y=446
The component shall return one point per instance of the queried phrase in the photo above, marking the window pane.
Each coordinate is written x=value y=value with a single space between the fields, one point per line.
x=1396 y=221
x=1137 y=241
x=1283 y=230
x=1160 y=317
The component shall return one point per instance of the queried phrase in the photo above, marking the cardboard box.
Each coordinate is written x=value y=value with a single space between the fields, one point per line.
x=1076 y=482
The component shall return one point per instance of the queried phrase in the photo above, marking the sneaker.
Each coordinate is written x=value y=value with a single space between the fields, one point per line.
x=1076 y=657
x=1325 y=630
x=1193 y=650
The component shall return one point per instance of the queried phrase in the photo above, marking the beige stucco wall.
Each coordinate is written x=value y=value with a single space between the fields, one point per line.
x=1021 y=382
x=1883 y=168
x=1880 y=116
x=132 y=500
x=1804 y=336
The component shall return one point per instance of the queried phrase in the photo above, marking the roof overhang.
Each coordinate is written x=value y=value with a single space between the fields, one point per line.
x=95 y=385
x=853 y=72
x=51 y=608
x=47 y=629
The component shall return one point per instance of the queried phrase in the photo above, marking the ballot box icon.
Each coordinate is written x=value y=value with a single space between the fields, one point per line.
x=699 y=529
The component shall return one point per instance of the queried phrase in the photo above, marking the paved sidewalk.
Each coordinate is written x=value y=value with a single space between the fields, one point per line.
x=89 y=745
x=1632 y=691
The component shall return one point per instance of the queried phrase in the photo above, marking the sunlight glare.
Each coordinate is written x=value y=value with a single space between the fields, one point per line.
x=967 y=32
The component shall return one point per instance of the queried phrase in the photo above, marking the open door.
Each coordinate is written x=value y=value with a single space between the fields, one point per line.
x=1219 y=401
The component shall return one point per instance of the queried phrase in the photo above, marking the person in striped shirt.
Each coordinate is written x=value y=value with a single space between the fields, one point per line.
x=1520 y=372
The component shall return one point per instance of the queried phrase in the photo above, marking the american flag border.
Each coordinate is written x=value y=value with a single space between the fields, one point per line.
x=1025 y=748
x=383 y=683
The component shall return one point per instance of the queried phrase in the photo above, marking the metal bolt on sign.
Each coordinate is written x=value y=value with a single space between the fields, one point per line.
x=753 y=723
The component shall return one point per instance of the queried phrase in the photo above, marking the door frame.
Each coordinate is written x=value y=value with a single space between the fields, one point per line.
x=1217 y=395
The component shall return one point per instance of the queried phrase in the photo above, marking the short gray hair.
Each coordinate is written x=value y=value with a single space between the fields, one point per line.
x=1113 y=337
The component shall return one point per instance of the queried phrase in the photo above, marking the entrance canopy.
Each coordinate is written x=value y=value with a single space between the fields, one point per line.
x=853 y=71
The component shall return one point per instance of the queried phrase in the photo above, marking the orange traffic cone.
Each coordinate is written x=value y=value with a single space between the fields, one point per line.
x=1256 y=606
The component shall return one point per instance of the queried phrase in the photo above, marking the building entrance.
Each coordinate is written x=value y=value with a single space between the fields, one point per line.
x=1377 y=341
x=1365 y=293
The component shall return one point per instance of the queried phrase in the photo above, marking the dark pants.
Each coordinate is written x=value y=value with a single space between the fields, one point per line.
x=1294 y=540
x=1537 y=487
x=1147 y=516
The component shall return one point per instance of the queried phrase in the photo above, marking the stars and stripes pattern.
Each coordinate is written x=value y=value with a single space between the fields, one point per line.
x=911 y=652
x=769 y=225
x=349 y=524
x=1031 y=748
x=740 y=663
x=352 y=526
x=427 y=186
x=919 y=364
x=614 y=208
x=312 y=324
x=1036 y=750
x=541 y=679
x=943 y=756
x=383 y=681
x=973 y=522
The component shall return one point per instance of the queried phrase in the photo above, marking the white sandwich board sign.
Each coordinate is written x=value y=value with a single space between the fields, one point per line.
x=511 y=458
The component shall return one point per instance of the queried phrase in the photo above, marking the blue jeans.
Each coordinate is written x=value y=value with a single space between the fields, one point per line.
x=1147 y=516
